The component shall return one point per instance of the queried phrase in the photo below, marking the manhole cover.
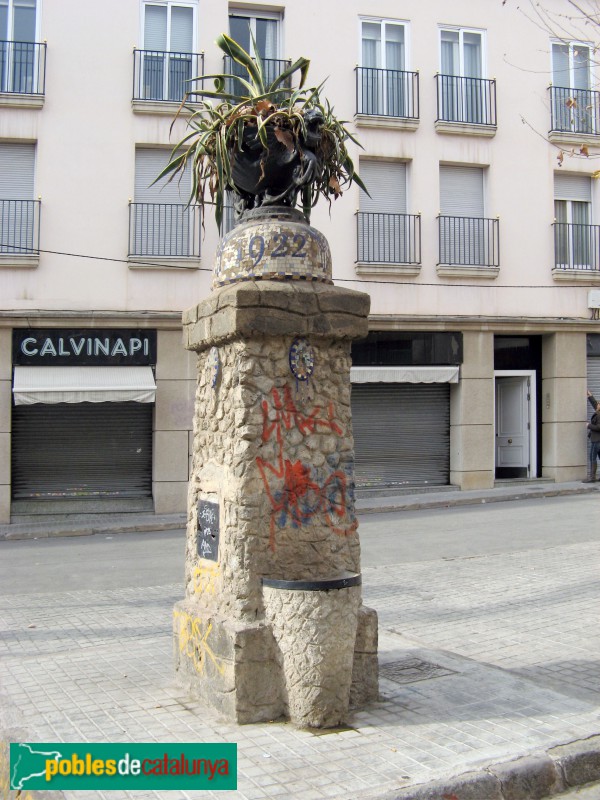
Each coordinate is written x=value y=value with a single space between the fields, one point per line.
x=411 y=670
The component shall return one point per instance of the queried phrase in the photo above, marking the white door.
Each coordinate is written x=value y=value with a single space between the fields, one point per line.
x=513 y=427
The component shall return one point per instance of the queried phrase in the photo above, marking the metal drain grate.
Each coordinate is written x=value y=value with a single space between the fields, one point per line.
x=411 y=670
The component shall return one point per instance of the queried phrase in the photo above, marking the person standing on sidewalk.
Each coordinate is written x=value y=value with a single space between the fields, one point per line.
x=594 y=437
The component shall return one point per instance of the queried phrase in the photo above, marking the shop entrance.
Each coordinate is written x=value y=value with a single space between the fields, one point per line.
x=515 y=398
x=82 y=451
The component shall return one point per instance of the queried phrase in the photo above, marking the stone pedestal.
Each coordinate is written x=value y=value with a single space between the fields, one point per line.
x=271 y=501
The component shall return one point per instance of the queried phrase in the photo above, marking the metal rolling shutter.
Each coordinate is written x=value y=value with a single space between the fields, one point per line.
x=382 y=232
x=386 y=182
x=461 y=191
x=572 y=187
x=401 y=434
x=17 y=162
x=82 y=450
x=150 y=162
x=593 y=381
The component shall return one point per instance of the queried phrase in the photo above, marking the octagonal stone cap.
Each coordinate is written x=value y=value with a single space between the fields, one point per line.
x=273 y=308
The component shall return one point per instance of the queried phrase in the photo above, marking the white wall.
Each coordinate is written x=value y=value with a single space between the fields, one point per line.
x=87 y=132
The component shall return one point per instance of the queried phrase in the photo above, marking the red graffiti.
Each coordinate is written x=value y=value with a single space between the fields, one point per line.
x=299 y=497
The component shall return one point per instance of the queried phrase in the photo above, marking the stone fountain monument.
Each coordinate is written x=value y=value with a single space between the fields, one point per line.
x=272 y=624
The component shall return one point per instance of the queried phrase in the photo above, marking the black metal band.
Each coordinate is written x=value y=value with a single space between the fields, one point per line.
x=321 y=585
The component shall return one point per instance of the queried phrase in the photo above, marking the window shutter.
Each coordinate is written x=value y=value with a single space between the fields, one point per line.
x=560 y=65
x=161 y=224
x=386 y=182
x=461 y=191
x=182 y=30
x=17 y=162
x=572 y=187
x=149 y=162
x=155 y=28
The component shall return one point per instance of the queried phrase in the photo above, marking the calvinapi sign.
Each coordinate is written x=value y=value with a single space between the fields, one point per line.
x=87 y=347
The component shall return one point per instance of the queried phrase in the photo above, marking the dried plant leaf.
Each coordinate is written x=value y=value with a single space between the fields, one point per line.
x=285 y=138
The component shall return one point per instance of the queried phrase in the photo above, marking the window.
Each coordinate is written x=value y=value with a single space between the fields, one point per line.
x=575 y=106
x=576 y=239
x=19 y=212
x=467 y=238
x=387 y=234
x=259 y=35
x=161 y=223
x=21 y=59
x=384 y=86
x=463 y=94
x=167 y=60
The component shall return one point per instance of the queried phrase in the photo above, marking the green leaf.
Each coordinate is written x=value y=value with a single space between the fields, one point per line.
x=301 y=64
x=173 y=166
x=231 y=48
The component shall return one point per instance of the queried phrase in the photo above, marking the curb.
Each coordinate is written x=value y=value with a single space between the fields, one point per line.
x=38 y=530
x=418 y=505
x=532 y=777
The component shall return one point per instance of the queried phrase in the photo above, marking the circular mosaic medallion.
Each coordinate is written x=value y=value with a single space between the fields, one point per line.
x=302 y=359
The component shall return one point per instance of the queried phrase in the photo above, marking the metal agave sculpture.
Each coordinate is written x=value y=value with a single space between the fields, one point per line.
x=265 y=142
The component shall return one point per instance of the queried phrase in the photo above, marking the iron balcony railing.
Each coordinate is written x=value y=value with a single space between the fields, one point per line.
x=574 y=110
x=164 y=76
x=576 y=246
x=20 y=227
x=388 y=238
x=469 y=241
x=272 y=67
x=387 y=93
x=23 y=67
x=466 y=100
x=228 y=222
x=163 y=230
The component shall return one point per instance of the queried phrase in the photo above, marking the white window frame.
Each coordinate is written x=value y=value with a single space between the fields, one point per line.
x=461 y=33
x=10 y=20
x=168 y=4
x=10 y=211
x=478 y=240
x=577 y=117
x=373 y=88
x=177 y=230
x=383 y=21
x=10 y=38
x=253 y=14
x=571 y=243
x=571 y=45
x=193 y=4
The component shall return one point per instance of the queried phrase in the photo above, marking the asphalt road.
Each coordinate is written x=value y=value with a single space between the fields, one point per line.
x=157 y=558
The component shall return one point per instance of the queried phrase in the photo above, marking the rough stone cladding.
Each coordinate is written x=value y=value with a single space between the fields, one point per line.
x=270 y=446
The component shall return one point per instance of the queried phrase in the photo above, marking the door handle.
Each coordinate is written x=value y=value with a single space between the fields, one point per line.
x=510 y=441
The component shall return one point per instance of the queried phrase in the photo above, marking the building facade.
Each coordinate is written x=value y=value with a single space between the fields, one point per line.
x=478 y=241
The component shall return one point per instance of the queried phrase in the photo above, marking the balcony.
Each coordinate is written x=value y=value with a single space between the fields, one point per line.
x=19 y=232
x=574 y=112
x=466 y=105
x=387 y=97
x=576 y=251
x=468 y=246
x=22 y=73
x=272 y=67
x=161 y=78
x=388 y=242
x=164 y=235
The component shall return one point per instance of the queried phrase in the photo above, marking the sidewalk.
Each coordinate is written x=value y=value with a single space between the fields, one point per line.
x=489 y=679
x=366 y=503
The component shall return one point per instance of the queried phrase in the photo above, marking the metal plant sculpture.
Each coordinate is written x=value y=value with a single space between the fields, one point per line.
x=265 y=142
